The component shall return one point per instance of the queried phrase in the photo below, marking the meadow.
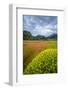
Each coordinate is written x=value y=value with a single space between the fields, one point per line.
x=32 y=48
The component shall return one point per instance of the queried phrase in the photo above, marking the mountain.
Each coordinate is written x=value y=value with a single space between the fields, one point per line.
x=39 y=37
x=28 y=36
x=53 y=36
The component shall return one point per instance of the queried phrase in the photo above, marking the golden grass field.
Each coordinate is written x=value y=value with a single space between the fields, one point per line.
x=32 y=48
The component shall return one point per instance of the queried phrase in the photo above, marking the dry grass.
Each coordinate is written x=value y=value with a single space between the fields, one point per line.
x=32 y=48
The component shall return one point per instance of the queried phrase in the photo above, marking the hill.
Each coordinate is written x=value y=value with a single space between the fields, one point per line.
x=28 y=36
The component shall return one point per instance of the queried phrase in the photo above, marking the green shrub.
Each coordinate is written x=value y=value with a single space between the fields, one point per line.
x=45 y=62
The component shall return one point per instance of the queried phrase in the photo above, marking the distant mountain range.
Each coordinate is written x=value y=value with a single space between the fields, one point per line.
x=28 y=36
x=53 y=36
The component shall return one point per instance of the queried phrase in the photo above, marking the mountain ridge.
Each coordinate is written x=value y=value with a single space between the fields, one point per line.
x=28 y=36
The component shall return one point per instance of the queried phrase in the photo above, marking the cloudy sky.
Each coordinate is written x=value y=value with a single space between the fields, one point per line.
x=40 y=25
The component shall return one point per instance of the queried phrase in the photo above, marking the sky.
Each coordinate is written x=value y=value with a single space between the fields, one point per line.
x=40 y=25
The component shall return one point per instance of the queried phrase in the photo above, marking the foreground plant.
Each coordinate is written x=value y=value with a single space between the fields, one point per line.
x=45 y=62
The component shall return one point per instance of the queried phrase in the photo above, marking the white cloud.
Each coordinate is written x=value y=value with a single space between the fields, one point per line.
x=42 y=31
x=39 y=25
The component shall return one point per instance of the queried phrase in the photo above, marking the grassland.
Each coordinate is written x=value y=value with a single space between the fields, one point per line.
x=44 y=62
x=32 y=48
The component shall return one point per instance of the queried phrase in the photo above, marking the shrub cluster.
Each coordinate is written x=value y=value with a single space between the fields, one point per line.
x=45 y=62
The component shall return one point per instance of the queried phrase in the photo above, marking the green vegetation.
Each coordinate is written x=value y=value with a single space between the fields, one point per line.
x=45 y=62
x=33 y=47
x=28 y=36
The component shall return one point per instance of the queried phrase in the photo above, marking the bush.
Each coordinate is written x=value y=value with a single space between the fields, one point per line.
x=45 y=62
